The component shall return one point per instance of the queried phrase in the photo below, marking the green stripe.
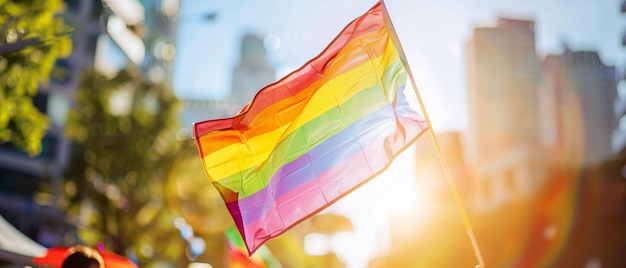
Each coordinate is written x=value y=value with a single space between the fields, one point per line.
x=317 y=131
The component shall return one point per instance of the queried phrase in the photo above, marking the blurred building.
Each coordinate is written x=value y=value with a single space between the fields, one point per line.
x=141 y=34
x=583 y=91
x=619 y=135
x=108 y=35
x=21 y=175
x=195 y=110
x=253 y=72
x=504 y=139
x=619 y=138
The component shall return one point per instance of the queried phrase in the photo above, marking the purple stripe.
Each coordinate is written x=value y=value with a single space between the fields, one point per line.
x=327 y=155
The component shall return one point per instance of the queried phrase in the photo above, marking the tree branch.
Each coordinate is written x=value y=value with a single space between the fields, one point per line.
x=19 y=45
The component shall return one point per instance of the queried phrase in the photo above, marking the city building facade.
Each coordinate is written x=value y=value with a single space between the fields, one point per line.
x=582 y=91
x=504 y=137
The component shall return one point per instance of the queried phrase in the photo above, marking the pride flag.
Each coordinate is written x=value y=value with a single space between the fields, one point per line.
x=238 y=256
x=315 y=135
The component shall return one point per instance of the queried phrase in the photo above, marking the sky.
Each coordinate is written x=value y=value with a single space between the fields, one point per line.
x=433 y=34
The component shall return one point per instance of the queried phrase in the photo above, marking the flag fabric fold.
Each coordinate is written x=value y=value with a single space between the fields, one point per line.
x=315 y=135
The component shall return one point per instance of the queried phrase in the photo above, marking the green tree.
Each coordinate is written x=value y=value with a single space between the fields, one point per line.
x=32 y=38
x=123 y=130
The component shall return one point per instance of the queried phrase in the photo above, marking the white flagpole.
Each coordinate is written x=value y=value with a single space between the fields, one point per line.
x=442 y=159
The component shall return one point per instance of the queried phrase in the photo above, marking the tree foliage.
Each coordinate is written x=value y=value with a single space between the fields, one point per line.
x=32 y=38
x=124 y=148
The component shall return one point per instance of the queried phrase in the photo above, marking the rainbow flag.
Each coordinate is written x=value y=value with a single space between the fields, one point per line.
x=315 y=135
x=238 y=256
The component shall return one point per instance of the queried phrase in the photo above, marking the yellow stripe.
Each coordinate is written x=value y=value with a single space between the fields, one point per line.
x=248 y=153
x=239 y=155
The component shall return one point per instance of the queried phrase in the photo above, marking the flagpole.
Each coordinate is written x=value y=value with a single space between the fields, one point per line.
x=442 y=159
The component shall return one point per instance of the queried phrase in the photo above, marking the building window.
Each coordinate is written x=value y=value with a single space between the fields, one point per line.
x=48 y=147
x=72 y=5
x=61 y=73
x=41 y=101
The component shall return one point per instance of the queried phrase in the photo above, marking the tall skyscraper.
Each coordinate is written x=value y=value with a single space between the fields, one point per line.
x=252 y=72
x=504 y=140
x=583 y=91
x=503 y=70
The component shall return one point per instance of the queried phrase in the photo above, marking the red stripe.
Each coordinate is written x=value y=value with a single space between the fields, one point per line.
x=300 y=79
